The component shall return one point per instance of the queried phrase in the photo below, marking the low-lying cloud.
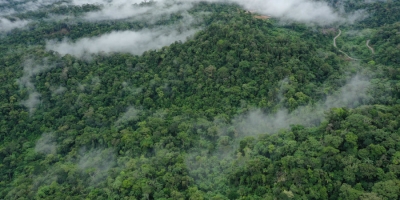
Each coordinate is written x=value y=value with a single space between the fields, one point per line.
x=46 y=144
x=23 y=6
x=204 y=166
x=131 y=114
x=374 y=1
x=135 y=42
x=305 y=11
x=58 y=91
x=351 y=95
x=32 y=102
x=122 y=9
x=31 y=69
x=97 y=162
x=7 y=25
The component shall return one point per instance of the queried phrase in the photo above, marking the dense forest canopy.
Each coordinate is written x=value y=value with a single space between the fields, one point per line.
x=199 y=100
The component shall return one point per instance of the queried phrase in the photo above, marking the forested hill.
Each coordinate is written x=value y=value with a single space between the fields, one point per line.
x=222 y=100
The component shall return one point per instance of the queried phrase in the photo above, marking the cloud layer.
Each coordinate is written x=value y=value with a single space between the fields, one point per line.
x=20 y=6
x=305 y=11
x=122 y=9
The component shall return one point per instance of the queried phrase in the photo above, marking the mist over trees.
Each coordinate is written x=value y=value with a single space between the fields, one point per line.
x=199 y=100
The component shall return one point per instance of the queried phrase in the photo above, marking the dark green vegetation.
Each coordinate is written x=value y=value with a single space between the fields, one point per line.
x=163 y=125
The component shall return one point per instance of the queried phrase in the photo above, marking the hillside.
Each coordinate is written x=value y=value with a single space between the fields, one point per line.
x=205 y=100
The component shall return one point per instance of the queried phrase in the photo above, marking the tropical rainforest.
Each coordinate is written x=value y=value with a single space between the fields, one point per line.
x=196 y=100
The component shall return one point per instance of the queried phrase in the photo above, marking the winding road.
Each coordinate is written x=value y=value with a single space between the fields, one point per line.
x=369 y=47
x=334 y=44
x=334 y=39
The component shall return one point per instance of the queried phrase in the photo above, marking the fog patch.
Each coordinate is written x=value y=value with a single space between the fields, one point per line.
x=131 y=89
x=83 y=2
x=31 y=69
x=305 y=11
x=374 y=1
x=119 y=41
x=8 y=25
x=96 y=163
x=353 y=94
x=118 y=9
x=283 y=87
x=32 y=102
x=59 y=90
x=91 y=166
x=96 y=81
x=81 y=87
x=46 y=144
x=131 y=114
x=207 y=164
x=21 y=7
x=358 y=33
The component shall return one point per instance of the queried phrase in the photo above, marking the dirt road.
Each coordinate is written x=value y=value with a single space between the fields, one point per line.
x=334 y=39
x=334 y=44
x=369 y=47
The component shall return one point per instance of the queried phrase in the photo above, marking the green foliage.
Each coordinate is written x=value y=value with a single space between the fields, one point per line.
x=162 y=125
